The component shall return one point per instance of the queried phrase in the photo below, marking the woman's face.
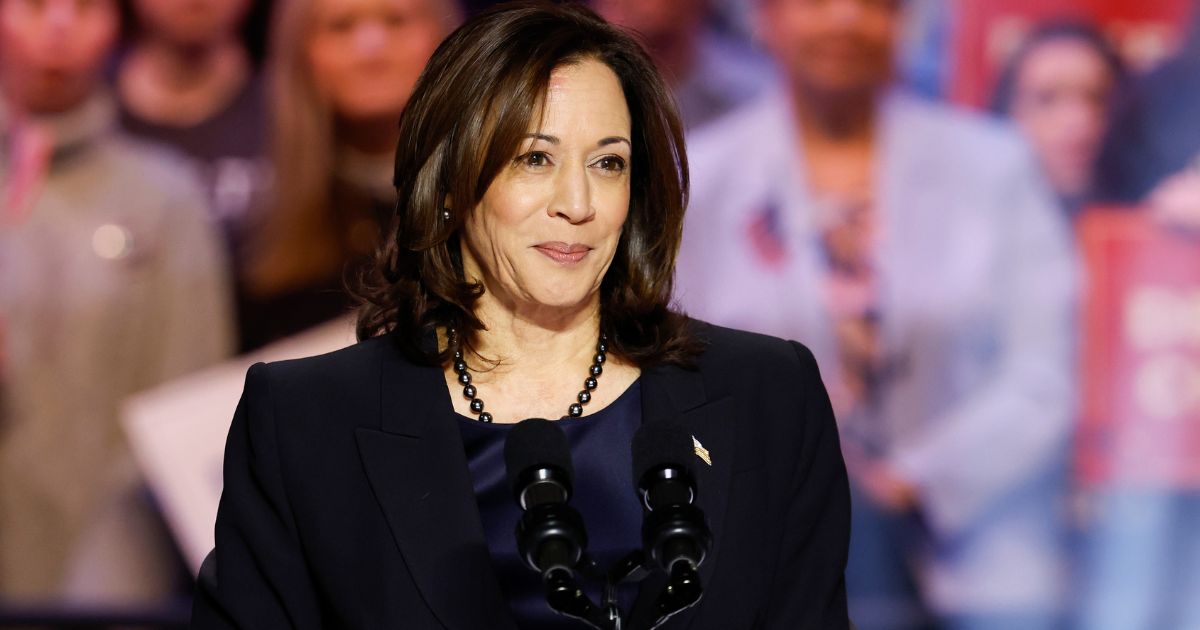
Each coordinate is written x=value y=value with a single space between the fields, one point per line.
x=1061 y=103
x=366 y=55
x=547 y=228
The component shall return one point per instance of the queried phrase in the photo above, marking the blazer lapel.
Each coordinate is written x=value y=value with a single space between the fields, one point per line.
x=672 y=393
x=418 y=469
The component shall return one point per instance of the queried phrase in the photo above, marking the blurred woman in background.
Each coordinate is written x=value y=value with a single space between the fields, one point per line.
x=342 y=71
x=188 y=80
x=1058 y=87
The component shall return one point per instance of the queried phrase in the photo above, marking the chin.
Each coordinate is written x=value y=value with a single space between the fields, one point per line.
x=372 y=109
x=561 y=297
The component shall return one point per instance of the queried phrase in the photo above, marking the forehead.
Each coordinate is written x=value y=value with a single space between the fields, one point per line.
x=587 y=91
x=1063 y=55
x=323 y=7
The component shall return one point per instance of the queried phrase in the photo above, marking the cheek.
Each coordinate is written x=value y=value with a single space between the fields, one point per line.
x=416 y=46
x=612 y=208
x=331 y=64
x=498 y=218
x=405 y=59
x=325 y=61
x=96 y=41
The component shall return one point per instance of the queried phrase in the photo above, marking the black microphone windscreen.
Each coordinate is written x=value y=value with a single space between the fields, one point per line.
x=662 y=442
x=536 y=441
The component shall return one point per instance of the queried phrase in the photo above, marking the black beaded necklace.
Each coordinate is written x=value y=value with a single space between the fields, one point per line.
x=574 y=411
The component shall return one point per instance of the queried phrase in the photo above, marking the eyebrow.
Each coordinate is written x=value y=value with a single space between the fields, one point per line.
x=602 y=143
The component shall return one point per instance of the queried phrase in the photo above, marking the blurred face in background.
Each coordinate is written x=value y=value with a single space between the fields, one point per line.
x=1061 y=101
x=366 y=55
x=654 y=19
x=52 y=51
x=834 y=48
x=191 y=22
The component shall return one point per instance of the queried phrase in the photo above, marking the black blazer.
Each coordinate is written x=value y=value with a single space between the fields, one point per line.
x=348 y=502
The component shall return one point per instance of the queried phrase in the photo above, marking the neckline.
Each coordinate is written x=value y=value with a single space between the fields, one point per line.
x=586 y=418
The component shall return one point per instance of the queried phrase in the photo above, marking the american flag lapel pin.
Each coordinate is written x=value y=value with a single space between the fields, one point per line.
x=701 y=452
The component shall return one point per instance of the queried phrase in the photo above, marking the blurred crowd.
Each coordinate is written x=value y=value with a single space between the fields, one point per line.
x=182 y=181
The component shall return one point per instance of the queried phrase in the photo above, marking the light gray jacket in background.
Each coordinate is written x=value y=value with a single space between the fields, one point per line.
x=978 y=281
x=115 y=282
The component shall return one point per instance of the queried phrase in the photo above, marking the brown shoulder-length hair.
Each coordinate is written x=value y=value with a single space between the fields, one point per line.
x=472 y=106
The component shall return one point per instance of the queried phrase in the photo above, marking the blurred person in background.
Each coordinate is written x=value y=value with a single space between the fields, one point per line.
x=710 y=73
x=342 y=71
x=921 y=254
x=1155 y=132
x=1058 y=88
x=1151 y=154
x=188 y=80
x=1141 y=560
x=111 y=280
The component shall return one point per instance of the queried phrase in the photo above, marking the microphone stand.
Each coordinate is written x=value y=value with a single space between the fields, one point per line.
x=566 y=596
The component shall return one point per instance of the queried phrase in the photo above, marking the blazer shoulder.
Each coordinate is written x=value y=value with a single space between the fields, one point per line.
x=350 y=373
x=355 y=357
x=728 y=350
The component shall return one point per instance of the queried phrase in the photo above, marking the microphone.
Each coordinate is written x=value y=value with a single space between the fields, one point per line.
x=675 y=534
x=551 y=538
x=550 y=534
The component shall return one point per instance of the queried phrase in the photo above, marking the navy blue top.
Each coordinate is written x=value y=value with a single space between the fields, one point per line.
x=604 y=495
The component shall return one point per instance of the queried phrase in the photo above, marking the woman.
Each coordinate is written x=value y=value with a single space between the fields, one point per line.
x=1059 y=89
x=542 y=183
x=341 y=71
x=189 y=79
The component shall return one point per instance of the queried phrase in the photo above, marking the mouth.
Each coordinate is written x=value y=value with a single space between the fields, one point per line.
x=562 y=252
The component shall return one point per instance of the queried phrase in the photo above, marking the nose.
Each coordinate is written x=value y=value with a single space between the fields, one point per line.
x=572 y=195
x=60 y=16
x=370 y=37
x=846 y=12
x=1082 y=116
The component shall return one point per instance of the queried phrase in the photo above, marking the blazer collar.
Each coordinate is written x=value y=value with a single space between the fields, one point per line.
x=417 y=467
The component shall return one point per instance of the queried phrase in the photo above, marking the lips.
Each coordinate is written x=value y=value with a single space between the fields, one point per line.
x=562 y=252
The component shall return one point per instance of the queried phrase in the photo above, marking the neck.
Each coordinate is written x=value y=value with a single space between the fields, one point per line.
x=181 y=67
x=377 y=136
x=537 y=340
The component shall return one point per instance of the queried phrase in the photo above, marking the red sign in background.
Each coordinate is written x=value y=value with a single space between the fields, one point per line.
x=986 y=32
x=1140 y=422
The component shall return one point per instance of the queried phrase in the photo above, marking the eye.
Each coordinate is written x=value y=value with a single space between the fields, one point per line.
x=395 y=19
x=611 y=164
x=533 y=159
x=340 y=24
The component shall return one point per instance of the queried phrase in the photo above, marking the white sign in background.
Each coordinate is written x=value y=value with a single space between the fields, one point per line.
x=177 y=433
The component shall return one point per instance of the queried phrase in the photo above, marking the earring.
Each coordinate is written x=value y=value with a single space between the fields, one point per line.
x=445 y=215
